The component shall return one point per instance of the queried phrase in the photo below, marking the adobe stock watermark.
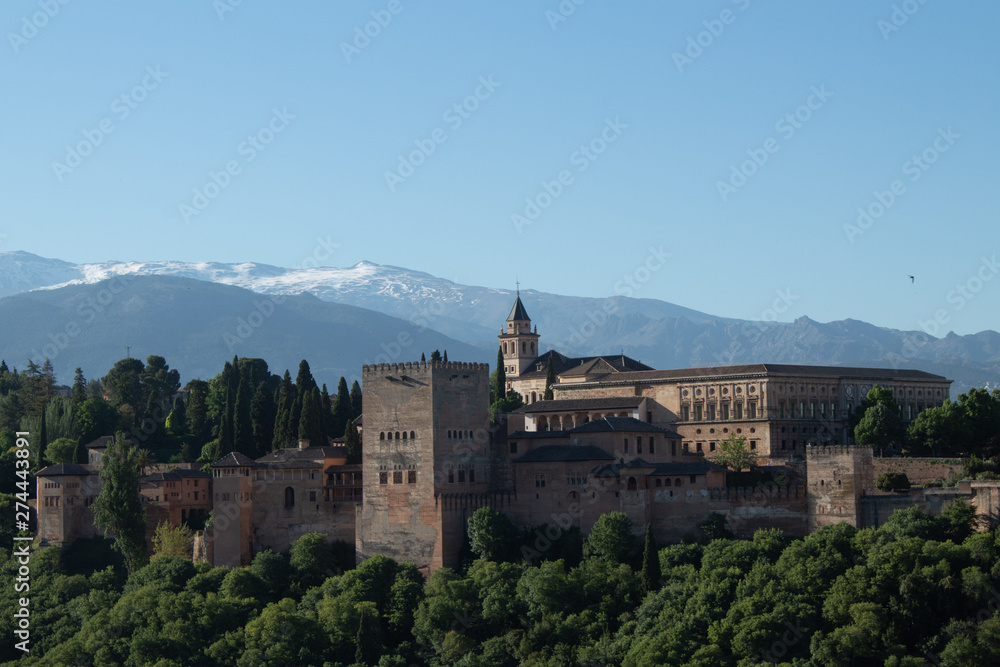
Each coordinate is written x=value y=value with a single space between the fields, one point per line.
x=30 y=25
x=962 y=294
x=786 y=126
x=223 y=7
x=714 y=28
x=754 y=329
x=248 y=149
x=363 y=35
x=562 y=12
x=899 y=17
x=454 y=116
x=93 y=304
x=122 y=107
x=915 y=168
x=581 y=158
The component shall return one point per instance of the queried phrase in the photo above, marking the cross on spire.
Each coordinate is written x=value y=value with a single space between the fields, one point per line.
x=518 y=283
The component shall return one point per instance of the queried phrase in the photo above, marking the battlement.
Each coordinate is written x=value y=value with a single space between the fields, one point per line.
x=815 y=452
x=421 y=367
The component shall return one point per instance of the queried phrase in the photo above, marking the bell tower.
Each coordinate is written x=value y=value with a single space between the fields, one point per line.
x=517 y=341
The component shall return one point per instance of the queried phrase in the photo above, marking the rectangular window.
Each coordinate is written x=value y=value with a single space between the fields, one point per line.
x=638 y=444
x=397 y=476
x=739 y=411
x=673 y=448
x=725 y=410
x=513 y=447
x=540 y=481
x=692 y=478
x=700 y=447
x=697 y=413
x=451 y=476
x=802 y=409
x=822 y=410
x=626 y=445
x=652 y=445
x=753 y=410
x=461 y=477
x=711 y=446
x=383 y=478
x=753 y=444
x=781 y=409
x=649 y=416
x=411 y=476
x=312 y=496
x=812 y=409
x=472 y=475
x=833 y=410
x=685 y=413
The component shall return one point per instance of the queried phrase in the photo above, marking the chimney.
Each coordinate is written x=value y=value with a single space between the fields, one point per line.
x=303 y=443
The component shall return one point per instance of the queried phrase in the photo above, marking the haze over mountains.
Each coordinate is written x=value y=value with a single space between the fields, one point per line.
x=194 y=314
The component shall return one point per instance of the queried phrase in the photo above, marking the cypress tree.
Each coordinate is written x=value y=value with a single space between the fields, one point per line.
x=342 y=412
x=79 y=394
x=311 y=421
x=500 y=382
x=355 y=400
x=118 y=509
x=242 y=427
x=262 y=420
x=352 y=441
x=226 y=439
x=422 y=357
x=651 y=575
x=445 y=356
x=286 y=396
x=43 y=442
x=550 y=378
x=327 y=412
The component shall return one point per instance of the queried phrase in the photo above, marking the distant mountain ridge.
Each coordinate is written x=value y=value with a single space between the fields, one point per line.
x=660 y=334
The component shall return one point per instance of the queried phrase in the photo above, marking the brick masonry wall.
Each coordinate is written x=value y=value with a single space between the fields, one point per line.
x=919 y=470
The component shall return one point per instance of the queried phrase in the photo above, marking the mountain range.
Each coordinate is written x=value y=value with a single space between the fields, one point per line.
x=339 y=318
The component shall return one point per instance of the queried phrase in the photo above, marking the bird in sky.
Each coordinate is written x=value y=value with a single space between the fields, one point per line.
x=911 y=279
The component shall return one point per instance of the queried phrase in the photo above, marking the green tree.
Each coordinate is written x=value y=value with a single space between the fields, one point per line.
x=342 y=410
x=937 y=431
x=124 y=383
x=651 y=575
x=356 y=400
x=79 y=391
x=312 y=560
x=311 y=426
x=369 y=640
x=199 y=426
x=118 y=509
x=283 y=414
x=880 y=427
x=262 y=418
x=892 y=481
x=242 y=424
x=436 y=355
x=492 y=535
x=61 y=450
x=611 y=538
x=735 y=454
x=95 y=418
x=170 y=541
x=177 y=419
x=550 y=379
x=498 y=385
x=352 y=441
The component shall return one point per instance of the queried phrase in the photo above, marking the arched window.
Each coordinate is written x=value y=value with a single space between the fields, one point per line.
x=677 y=482
x=289 y=497
x=524 y=347
x=631 y=484
x=404 y=435
x=381 y=435
x=412 y=435
x=533 y=399
x=397 y=435
x=667 y=482
x=659 y=483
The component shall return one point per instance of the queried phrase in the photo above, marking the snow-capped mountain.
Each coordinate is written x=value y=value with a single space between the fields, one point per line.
x=660 y=334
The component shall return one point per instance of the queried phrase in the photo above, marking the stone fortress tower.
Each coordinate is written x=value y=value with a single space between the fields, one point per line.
x=427 y=459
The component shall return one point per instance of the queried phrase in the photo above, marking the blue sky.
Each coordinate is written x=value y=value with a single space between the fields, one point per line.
x=821 y=106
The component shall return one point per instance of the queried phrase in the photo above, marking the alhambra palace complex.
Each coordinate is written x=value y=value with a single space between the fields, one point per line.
x=618 y=436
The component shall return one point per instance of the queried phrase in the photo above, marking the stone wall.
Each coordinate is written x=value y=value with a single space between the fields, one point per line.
x=919 y=470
